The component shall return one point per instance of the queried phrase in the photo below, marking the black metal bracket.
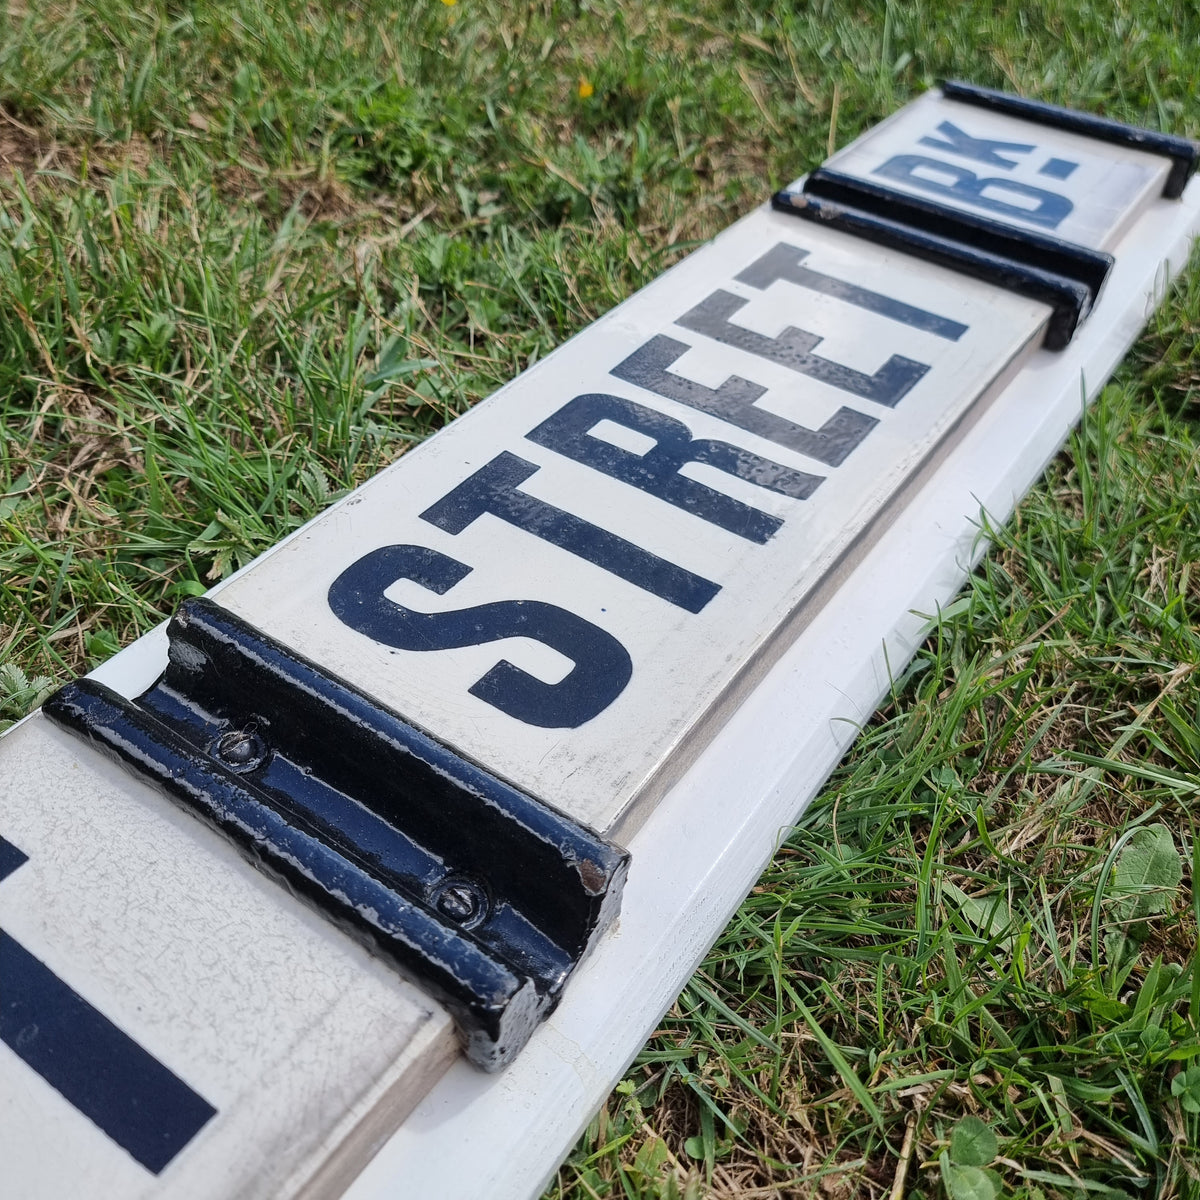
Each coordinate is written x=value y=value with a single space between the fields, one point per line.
x=1181 y=151
x=1024 y=246
x=484 y=896
x=1066 y=277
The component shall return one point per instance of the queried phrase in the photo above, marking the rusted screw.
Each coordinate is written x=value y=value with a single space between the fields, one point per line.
x=240 y=749
x=462 y=900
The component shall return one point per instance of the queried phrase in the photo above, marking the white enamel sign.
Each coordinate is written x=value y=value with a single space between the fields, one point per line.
x=173 y=1022
x=565 y=582
x=1032 y=177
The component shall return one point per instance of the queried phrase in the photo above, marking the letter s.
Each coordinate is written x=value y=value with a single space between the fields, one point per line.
x=602 y=665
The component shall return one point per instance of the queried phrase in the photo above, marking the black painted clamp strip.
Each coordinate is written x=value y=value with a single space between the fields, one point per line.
x=1181 y=151
x=1087 y=266
x=1069 y=300
x=481 y=894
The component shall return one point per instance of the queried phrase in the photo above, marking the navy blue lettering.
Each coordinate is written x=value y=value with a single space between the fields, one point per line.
x=602 y=666
x=734 y=401
x=1048 y=209
x=784 y=261
x=101 y=1071
x=793 y=348
x=1058 y=168
x=569 y=432
x=494 y=489
x=955 y=141
x=10 y=858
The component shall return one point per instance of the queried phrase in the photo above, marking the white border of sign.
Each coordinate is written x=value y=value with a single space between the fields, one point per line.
x=699 y=853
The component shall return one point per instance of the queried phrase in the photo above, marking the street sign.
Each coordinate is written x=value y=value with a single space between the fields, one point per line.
x=1038 y=177
x=654 y=572
x=667 y=489
x=173 y=1022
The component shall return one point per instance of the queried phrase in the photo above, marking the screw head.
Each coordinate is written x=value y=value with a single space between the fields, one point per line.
x=240 y=749
x=462 y=900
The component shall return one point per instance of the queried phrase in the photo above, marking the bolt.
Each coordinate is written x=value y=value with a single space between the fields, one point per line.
x=240 y=749
x=462 y=900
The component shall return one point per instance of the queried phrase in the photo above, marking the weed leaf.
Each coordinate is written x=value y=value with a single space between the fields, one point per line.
x=972 y=1143
x=966 y=1183
x=1147 y=872
x=1186 y=1088
x=990 y=916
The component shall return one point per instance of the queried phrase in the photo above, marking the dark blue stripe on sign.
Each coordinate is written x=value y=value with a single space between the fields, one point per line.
x=10 y=858
x=127 y=1092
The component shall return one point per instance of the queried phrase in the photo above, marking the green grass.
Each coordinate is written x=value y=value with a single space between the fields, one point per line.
x=249 y=254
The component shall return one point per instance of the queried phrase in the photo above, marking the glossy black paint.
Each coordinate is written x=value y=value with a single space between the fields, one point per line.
x=1089 y=267
x=1181 y=151
x=1070 y=300
x=484 y=896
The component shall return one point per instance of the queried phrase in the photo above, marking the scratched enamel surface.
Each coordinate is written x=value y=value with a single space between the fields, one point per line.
x=925 y=346
x=192 y=1032
x=1027 y=175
